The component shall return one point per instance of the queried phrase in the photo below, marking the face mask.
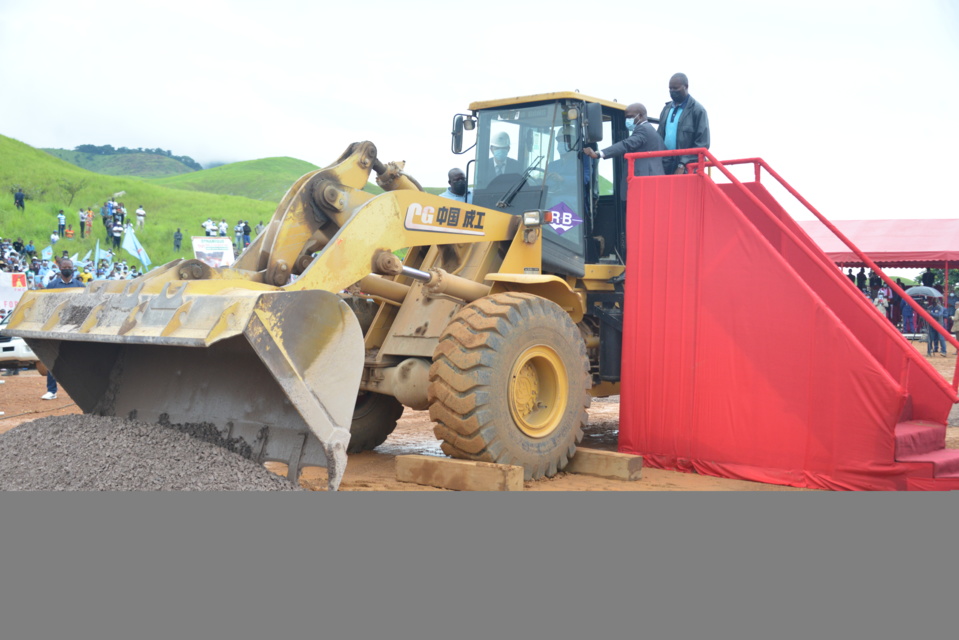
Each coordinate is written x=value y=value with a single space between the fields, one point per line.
x=500 y=154
x=66 y=273
x=630 y=124
x=458 y=187
x=676 y=96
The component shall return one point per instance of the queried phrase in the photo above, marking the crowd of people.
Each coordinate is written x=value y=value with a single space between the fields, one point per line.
x=944 y=310
x=18 y=256
x=242 y=232
x=112 y=214
x=65 y=276
x=40 y=271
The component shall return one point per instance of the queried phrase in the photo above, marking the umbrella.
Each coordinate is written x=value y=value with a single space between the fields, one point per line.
x=923 y=291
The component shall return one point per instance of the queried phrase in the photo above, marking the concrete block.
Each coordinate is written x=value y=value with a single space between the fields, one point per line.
x=458 y=475
x=606 y=464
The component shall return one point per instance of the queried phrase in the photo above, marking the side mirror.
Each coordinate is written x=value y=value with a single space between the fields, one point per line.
x=461 y=123
x=594 y=122
x=458 y=134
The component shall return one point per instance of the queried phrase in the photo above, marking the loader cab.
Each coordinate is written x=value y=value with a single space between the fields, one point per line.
x=528 y=154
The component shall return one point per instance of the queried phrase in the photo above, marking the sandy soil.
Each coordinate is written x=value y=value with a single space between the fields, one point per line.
x=375 y=471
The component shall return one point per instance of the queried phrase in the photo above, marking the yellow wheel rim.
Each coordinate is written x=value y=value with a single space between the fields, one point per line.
x=538 y=391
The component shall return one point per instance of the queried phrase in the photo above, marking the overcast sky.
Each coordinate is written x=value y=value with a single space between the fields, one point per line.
x=853 y=102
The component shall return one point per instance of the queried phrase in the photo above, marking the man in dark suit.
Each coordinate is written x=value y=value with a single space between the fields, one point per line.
x=500 y=163
x=643 y=137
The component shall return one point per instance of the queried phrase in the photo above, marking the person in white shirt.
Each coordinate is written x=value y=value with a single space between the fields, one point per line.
x=141 y=217
x=117 y=233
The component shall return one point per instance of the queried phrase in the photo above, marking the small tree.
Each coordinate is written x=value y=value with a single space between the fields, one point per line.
x=71 y=188
x=940 y=277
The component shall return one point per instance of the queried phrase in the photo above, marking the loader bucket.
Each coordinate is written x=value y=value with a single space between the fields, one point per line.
x=278 y=369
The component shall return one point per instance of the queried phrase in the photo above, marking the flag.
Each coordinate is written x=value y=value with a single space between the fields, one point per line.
x=99 y=255
x=47 y=253
x=132 y=246
x=75 y=257
x=87 y=257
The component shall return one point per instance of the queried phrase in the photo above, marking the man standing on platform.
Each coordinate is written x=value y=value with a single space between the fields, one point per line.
x=683 y=124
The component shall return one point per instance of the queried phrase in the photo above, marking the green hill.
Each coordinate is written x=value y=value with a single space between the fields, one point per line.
x=141 y=165
x=266 y=179
x=51 y=184
x=242 y=190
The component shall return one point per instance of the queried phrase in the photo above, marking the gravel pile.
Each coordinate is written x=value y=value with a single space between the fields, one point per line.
x=97 y=453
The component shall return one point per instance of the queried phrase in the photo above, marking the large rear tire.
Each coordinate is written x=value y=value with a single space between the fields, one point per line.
x=374 y=419
x=510 y=384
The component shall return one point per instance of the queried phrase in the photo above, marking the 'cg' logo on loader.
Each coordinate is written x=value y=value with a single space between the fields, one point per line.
x=445 y=219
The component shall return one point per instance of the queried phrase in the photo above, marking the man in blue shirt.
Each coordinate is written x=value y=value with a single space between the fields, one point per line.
x=64 y=280
x=457 y=189
x=683 y=124
x=933 y=338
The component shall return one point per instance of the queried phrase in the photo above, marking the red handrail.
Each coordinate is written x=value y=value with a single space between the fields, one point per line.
x=759 y=162
x=704 y=154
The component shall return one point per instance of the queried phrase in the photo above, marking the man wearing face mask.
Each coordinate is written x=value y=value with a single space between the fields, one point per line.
x=683 y=124
x=500 y=164
x=457 y=189
x=642 y=137
x=64 y=280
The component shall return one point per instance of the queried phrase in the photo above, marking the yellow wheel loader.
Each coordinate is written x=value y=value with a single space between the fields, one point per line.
x=502 y=318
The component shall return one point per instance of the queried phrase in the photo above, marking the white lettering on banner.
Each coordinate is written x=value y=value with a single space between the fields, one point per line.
x=452 y=219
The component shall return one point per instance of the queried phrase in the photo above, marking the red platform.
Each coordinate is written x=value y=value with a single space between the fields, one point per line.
x=747 y=354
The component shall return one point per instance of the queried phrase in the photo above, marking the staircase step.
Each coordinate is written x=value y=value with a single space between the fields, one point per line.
x=918 y=437
x=945 y=462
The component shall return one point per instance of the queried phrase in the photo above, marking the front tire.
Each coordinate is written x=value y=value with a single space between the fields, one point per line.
x=510 y=384
x=374 y=419
x=375 y=415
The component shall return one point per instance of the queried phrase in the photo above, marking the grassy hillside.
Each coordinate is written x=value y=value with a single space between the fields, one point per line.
x=266 y=179
x=141 y=165
x=48 y=182
x=243 y=190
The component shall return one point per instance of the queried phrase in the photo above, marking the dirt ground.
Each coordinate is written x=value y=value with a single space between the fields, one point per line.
x=375 y=470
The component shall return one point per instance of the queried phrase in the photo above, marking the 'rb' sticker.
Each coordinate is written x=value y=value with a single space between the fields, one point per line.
x=563 y=218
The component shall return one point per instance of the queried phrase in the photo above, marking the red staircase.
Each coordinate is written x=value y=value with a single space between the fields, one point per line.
x=923 y=444
x=720 y=278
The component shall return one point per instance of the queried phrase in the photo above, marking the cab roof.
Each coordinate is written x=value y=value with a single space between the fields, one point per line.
x=543 y=97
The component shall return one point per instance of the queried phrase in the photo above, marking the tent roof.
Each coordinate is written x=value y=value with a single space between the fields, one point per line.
x=890 y=243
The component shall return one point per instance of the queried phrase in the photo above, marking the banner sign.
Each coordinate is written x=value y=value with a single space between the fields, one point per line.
x=214 y=251
x=12 y=286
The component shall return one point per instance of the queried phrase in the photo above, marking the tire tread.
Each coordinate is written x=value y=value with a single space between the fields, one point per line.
x=460 y=377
